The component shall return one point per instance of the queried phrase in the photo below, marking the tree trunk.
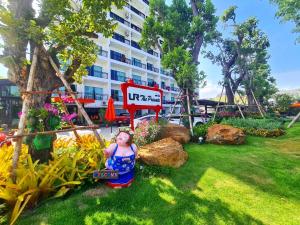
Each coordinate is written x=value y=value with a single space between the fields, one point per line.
x=45 y=80
x=229 y=95
x=250 y=99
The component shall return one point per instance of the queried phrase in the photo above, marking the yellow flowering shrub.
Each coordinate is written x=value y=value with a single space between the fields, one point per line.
x=73 y=162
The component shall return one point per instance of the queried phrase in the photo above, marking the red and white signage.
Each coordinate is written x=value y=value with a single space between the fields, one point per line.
x=138 y=97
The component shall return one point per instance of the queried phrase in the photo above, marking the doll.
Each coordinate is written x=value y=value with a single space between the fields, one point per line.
x=121 y=157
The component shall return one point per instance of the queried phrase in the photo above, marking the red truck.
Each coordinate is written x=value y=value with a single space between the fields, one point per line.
x=123 y=119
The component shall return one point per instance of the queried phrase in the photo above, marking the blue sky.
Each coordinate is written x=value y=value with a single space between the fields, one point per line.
x=284 y=53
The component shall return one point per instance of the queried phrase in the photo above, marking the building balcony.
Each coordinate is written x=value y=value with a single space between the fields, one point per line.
x=151 y=52
x=138 y=29
x=140 y=82
x=120 y=38
x=152 y=68
x=86 y=95
x=119 y=19
x=146 y=1
x=138 y=64
x=166 y=73
x=168 y=102
x=127 y=23
x=119 y=57
x=103 y=53
x=96 y=71
x=99 y=74
x=151 y=84
x=175 y=89
x=119 y=78
x=135 y=45
x=164 y=87
x=136 y=11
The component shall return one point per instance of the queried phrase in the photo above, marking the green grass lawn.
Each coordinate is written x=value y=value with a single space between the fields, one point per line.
x=257 y=183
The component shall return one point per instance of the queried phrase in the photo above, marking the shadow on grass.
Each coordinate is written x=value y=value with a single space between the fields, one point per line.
x=174 y=200
x=147 y=201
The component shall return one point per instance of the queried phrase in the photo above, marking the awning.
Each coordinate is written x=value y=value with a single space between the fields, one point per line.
x=296 y=105
x=71 y=100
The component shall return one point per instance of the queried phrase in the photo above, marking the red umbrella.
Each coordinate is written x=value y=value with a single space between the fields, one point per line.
x=110 y=114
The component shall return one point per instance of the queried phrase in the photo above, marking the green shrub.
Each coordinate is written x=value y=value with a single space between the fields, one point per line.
x=201 y=130
x=258 y=127
x=3 y=214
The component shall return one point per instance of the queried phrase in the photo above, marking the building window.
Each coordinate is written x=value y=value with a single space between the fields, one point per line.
x=98 y=93
x=116 y=95
x=119 y=37
x=88 y=92
x=136 y=62
x=118 y=75
x=93 y=92
x=151 y=82
x=137 y=79
x=97 y=71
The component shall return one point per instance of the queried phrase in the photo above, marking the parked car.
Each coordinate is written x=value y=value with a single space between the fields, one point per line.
x=123 y=119
x=147 y=118
x=174 y=119
x=197 y=120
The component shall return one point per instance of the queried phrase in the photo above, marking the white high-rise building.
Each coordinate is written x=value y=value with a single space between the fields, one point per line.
x=120 y=58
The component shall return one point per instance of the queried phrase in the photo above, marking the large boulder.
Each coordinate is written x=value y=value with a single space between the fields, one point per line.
x=165 y=152
x=225 y=134
x=177 y=132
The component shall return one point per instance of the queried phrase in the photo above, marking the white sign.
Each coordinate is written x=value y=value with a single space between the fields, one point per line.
x=139 y=96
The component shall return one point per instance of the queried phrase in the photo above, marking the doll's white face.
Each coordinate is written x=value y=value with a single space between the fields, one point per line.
x=122 y=139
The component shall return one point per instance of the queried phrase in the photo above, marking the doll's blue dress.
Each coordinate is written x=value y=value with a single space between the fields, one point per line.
x=125 y=167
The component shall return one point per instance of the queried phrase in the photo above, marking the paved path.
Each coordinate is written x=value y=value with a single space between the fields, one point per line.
x=105 y=132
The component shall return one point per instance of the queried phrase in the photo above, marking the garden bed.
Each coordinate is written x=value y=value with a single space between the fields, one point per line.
x=257 y=127
x=218 y=184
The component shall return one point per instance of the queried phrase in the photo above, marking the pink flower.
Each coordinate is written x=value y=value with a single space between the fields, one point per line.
x=69 y=117
x=19 y=114
x=51 y=108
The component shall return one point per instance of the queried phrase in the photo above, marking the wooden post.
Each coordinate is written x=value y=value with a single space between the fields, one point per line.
x=294 y=120
x=173 y=107
x=52 y=131
x=189 y=111
x=237 y=104
x=257 y=104
x=25 y=107
x=242 y=100
x=218 y=105
x=67 y=112
x=80 y=108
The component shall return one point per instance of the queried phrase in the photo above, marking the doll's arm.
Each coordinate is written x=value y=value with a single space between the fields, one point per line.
x=109 y=151
x=135 y=149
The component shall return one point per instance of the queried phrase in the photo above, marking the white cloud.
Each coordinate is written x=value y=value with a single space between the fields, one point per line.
x=211 y=90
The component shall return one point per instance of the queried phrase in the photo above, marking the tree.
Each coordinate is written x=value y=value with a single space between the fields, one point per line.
x=241 y=55
x=283 y=102
x=62 y=29
x=184 y=30
x=259 y=83
x=289 y=10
